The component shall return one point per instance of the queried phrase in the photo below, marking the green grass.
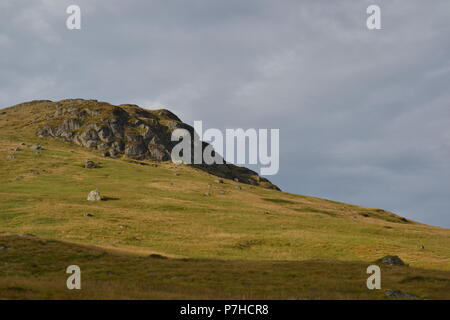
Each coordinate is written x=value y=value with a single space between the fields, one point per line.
x=35 y=269
x=161 y=208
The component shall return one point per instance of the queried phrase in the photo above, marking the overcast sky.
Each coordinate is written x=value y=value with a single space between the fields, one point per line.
x=364 y=116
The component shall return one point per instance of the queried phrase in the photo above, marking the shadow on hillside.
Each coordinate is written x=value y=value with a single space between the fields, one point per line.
x=109 y=198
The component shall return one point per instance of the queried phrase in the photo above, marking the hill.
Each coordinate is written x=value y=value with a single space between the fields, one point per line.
x=232 y=239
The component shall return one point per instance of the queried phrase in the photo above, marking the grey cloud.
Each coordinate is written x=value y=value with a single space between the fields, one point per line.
x=363 y=115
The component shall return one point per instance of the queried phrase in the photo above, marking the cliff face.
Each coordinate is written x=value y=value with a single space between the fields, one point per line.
x=123 y=131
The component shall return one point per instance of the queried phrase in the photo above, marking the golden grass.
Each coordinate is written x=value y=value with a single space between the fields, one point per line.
x=180 y=212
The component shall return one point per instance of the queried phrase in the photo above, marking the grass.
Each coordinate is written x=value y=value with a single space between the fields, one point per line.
x=35 y=269
x=179 y=212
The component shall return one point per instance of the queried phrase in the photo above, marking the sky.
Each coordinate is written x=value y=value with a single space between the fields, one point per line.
x=363 y=114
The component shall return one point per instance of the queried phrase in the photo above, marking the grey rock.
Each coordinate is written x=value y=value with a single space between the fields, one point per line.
x=90 y=164
x=90 y=215
x=128 y=130
x=94 y=195
x=218 y=181
x=36 y=147
x=392 y=261
x=399 y=294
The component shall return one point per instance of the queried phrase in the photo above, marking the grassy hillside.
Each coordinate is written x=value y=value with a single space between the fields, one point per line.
x=252 y=238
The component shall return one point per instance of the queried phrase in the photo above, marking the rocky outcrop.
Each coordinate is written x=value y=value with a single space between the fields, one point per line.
x=392 y=261
x=130 y=131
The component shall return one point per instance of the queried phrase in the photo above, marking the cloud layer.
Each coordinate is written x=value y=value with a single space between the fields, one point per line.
x=363 y=114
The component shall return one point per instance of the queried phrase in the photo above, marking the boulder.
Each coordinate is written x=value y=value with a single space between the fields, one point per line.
x=399 y=294
x=94 y=195
x=36 y=147
x=392 y=261
x=90 y=164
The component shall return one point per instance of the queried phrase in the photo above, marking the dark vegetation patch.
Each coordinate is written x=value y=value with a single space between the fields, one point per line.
x=312 y=210
x=157 y=256
x=424 y=279
x=383 y=215
x=282 y=201
x=5 y=215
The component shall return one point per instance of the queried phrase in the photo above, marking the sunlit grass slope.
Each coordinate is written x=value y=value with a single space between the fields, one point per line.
x=181 y=212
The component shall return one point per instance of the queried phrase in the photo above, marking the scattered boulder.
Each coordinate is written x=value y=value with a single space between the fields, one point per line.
x=91 y=164
x=238 y=187
x=90 y=215
x=36 y=147
x=94 y=195
x=2 y=248
x=218 y=181
x=399 y=294
x=11 y=156
x=17 y=149
x=392 y=261
x=236 y=180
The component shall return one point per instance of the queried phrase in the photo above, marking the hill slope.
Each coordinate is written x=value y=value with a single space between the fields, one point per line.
x=179 y=211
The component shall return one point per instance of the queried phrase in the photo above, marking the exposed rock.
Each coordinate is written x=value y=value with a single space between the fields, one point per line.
x=36 y=147
x=392 y=261
x=17 y=149
x=126 y=130
x=90 y=215
x=399 y=294
x=94 y=196
x=218 y=181
x=91 y=164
